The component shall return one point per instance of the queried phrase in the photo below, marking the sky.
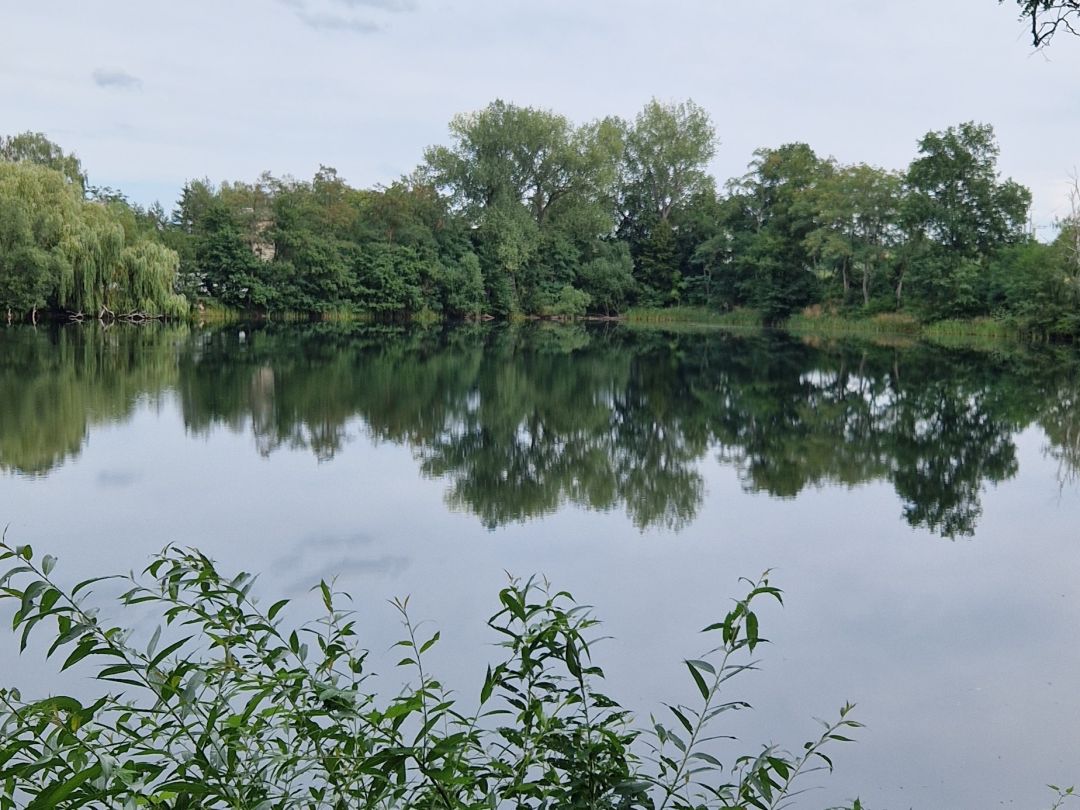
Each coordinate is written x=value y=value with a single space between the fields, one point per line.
x=152 y=94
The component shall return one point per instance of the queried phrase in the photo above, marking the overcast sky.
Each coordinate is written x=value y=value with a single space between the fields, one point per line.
x=150 y=94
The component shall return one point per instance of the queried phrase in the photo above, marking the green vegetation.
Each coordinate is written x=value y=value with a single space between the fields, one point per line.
x=815 y=322
x=693 y=315
x=527 y=214
x=225 y=705
x=86 y=257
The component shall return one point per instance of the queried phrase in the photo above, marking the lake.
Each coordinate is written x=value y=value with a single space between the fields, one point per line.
x=918 y=504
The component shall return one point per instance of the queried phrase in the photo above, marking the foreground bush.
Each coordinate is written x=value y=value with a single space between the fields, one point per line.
x=226 y=707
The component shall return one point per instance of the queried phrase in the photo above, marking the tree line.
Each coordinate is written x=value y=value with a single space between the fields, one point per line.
x=524 y=212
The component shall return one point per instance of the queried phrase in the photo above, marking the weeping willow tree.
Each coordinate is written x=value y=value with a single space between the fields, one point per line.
x=26 y=271
x=108 y=277
x=147 y=273
x=59 y=250
x=38 y=209
x=96 y=247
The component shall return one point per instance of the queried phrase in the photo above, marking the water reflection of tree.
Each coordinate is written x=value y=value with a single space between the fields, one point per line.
x=936 y=425
x=1060 y=419
x=520 y=420
x=546 y=422
x=56 y=383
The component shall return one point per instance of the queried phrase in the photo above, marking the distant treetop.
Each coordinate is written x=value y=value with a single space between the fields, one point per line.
x=34 y=147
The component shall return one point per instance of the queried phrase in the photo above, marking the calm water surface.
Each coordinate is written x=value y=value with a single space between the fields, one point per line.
x=918 y=504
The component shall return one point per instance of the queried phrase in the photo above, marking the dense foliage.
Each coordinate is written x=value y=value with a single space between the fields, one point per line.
x=525 y=212
x=58 y=249
x=225 y=705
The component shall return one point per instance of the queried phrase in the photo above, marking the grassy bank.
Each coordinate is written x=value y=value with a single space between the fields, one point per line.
x=955 y=331
x=814 y=321
x=888 y=323
x=694 y=316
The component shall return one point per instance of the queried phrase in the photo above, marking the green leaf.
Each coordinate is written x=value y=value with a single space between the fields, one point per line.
x=704 y=757
x=682 y=718
x=53 y=795
x=327 y=597
x=704 y=666
x=700 y=681
x=86 y=583
x=57 y=703
x=276 y=608
x=85 y=648
x=161 y=656
x=751 y=630
x=403 y=708
x=508 y=598
x=427 y=645
x=154 y=639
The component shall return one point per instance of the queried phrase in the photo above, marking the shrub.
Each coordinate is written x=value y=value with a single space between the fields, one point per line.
x=226 y=707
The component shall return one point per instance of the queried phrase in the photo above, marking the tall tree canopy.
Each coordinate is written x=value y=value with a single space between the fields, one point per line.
x=956 y=196
x=959 y=214
x=668 y=149
x=34 y=147
x=539 y=193
x=506 y=154
x=771 y=214
x=57 y=249
x=857 y=220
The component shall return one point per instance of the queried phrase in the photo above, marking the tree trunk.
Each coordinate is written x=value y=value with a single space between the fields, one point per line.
x=33 y=316
x=866 y=284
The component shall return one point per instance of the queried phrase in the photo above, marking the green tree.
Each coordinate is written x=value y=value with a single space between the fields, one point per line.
x=227 y=268
x=668 y=148
x=538 y=192
x=1031 y=283
x=82 y=257
x=463 y=287
x=770 y=215
x=35 y=147
x=42 y=213
x=858 y=214
x=27 y=271
x=506 y=154
x=608 y=277
x=658 y=267
x=959 y=213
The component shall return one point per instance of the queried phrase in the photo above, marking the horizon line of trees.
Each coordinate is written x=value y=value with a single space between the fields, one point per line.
x=526 y=212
